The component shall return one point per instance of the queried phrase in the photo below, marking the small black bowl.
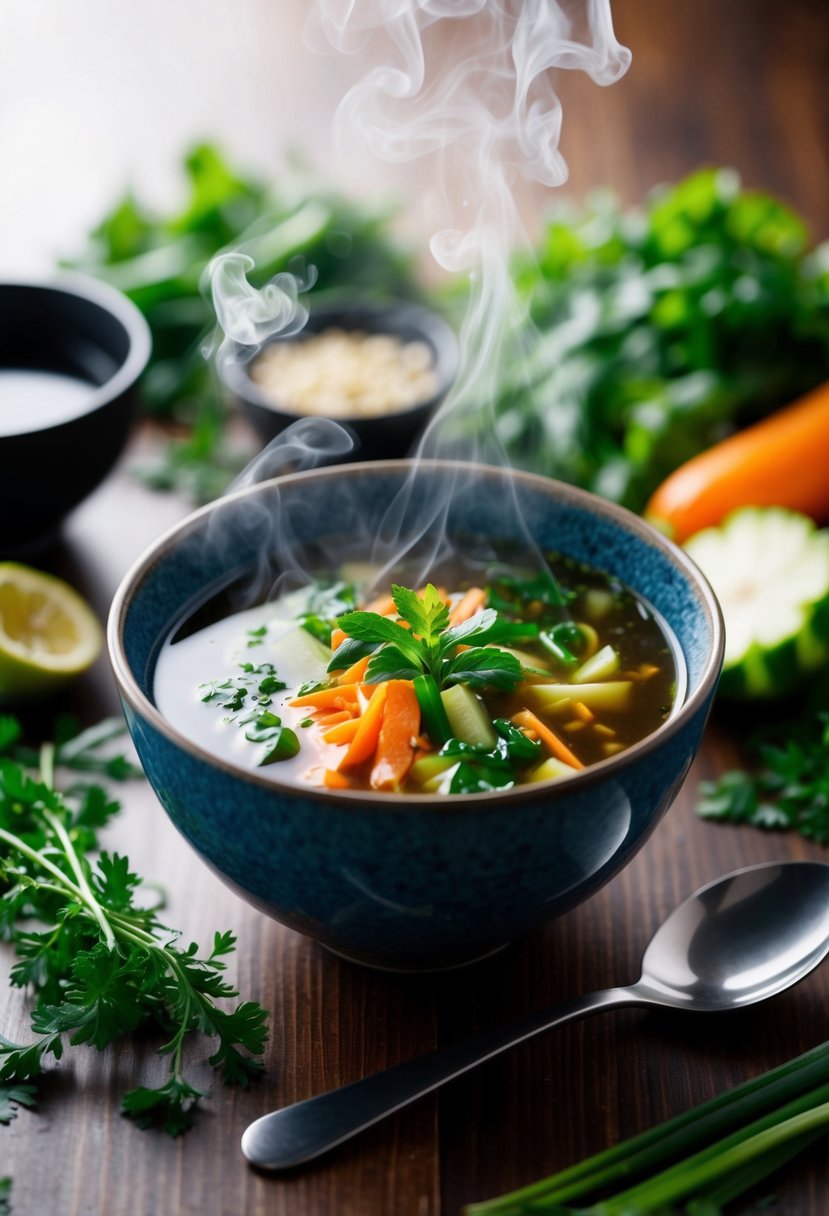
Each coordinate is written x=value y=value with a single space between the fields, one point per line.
x=385 y=435
x=69 y=326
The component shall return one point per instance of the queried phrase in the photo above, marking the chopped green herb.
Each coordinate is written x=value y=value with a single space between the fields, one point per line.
x=252 y=691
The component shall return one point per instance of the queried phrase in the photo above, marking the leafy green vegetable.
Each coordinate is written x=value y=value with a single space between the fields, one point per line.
x=480 y=768
x=427 y=647
x=720 y=1149
x=13 y=1096
x=658 y=332
x=159 y=261
x=789 y=790
x=5 y=1192
x=91 y=948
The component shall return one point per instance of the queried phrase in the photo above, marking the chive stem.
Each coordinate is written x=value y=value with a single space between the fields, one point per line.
x=668 y=1140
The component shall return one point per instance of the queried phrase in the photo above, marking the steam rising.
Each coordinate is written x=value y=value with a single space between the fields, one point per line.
x=469 y=84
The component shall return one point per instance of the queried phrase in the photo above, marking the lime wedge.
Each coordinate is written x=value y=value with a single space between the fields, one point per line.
x=48 y=633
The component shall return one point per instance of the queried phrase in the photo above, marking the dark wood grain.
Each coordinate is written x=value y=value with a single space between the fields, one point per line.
x=742 y=83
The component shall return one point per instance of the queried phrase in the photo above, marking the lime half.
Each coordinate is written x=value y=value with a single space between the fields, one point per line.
x=48 y=633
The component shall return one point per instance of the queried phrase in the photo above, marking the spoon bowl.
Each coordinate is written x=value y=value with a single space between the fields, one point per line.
x=745 y=937
x=740 y=939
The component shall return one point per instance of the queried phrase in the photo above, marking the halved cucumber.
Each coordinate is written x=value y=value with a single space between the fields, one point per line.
x=769 y=568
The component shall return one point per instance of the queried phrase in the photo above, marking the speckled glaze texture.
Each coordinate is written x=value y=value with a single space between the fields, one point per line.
x=402 y=882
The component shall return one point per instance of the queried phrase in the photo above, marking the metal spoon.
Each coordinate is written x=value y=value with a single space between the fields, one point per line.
x=739 y=940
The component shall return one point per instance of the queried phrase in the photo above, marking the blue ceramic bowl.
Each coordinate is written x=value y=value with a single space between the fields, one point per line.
x=424 y=881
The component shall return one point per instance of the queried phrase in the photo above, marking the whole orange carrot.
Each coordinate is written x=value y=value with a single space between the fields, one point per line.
x=781 y=461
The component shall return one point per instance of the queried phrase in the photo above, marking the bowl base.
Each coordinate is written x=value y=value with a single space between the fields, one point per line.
x=419 y=968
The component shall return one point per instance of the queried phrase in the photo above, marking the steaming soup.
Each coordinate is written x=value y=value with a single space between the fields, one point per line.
x=464 y=686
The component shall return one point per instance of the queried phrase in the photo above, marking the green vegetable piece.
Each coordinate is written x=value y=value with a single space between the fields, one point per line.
x=611 y=695
x=769 y=568
x=432 y=710
x=467 y=717
x=600 y=666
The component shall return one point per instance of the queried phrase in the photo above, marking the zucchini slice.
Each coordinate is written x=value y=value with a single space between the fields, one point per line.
x=769 y=568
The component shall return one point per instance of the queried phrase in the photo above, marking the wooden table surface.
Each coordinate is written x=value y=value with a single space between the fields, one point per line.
x=742 y=84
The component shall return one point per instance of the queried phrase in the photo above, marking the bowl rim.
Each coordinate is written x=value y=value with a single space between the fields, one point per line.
x=527 y=793
x=110 y=300
x=235 y=375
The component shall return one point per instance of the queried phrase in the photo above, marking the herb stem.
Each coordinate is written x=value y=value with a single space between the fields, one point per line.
x=67 y=886
x=83 y=885
x=717 y=1162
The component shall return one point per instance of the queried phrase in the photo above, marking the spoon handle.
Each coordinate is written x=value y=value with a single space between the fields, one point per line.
x=296 y=1134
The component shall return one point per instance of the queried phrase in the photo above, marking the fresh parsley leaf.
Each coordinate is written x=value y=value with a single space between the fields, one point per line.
x=482 y=667
x=427 y=646
x=789 y=790
x=371 y=627
x=98 y=961
x=390 y=663
x=13 y=1096
x=350 y=651
x=169 y=1107
x=427 y=614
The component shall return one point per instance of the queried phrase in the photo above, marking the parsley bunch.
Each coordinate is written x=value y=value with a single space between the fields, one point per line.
x=428 y=645
x=789 y=790
x=92 y=949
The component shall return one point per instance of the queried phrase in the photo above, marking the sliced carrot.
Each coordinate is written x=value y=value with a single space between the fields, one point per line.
x=557 y=746
x=329 y=698
x=356 y=672
x=342 y=715
x=338 y=636
x=334 y=780
x=399 y=736
x=365 y=739
x=343 y=732
x=584 y=712
x=473 y=601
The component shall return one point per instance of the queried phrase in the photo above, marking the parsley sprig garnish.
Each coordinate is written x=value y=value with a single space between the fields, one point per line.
x=92 y=949
x=425 y=643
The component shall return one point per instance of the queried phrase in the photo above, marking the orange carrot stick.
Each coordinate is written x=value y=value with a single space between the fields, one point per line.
x=343 y=732
x=473 y=601
x=780 y=461
x=355 y=673
x=329 y=698
x=557 y=746
x=335 y=781
x=338 y=636
x=584 y=712
x=365 y=739
x=342 y=715
x=398 y=737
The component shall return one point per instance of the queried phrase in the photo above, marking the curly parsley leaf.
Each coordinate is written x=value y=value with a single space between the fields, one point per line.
x=12 y=1097
x=789 y=791
x=98 y=960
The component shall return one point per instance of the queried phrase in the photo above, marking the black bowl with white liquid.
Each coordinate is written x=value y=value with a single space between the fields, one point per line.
x=71 y=351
